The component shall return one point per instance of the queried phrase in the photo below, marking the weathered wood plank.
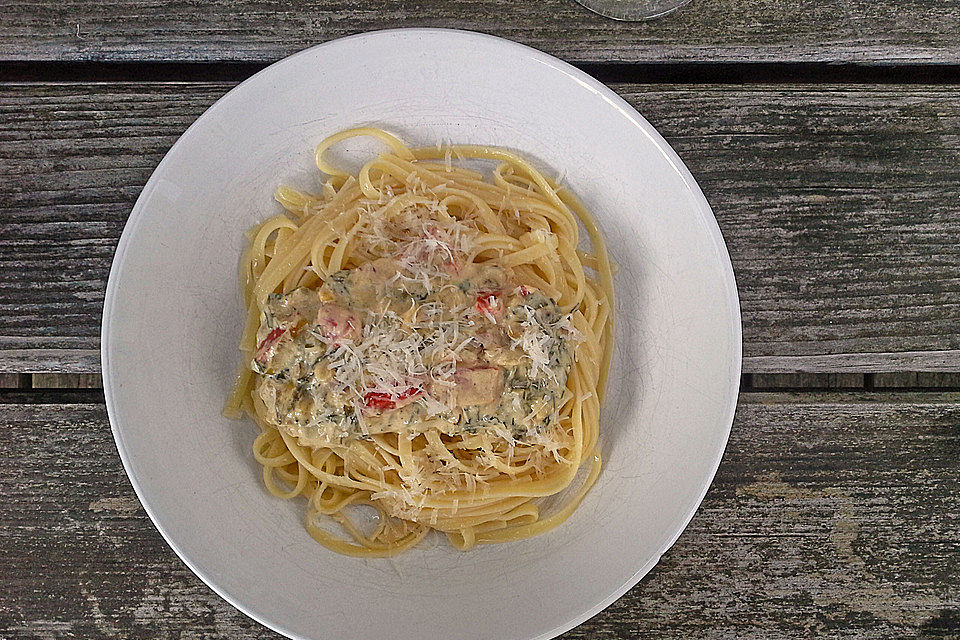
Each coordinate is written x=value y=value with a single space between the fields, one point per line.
x=264 y=30
x=917 y=380
x=776 y=381
x=11 y=381
x=56 y=360
x=943 y=361
x=832 y=515
x=839 y=205
x=66 y=381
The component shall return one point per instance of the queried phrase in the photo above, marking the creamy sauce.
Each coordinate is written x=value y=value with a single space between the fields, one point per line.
x=412 y=343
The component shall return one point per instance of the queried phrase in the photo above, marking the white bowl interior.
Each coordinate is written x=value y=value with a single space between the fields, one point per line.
x=172 y=320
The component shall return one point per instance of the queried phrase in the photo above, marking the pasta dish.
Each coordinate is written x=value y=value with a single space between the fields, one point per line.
x=429 y=340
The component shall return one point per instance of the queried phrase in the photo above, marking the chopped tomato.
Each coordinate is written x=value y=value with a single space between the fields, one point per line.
x=489 y=304
x=384 y=401
x=377 y=400
x=266 y=347
x=524 y=291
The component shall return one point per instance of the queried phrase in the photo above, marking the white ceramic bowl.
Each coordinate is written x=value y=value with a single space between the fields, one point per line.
x=172 y=319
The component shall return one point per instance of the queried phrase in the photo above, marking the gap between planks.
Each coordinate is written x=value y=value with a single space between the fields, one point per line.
x=87 y=361
x=84 y=71
x=49 y=383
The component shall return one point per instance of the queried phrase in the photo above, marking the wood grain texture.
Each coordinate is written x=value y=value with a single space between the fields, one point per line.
x=832 y=516
x=840 y=206
x=11 y=381
x=263 y=30
x=929 y=361
x=66 y=381
x=778 y=381
x=916 y=379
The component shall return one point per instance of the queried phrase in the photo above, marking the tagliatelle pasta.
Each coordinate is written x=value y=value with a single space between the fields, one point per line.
x=427 y=341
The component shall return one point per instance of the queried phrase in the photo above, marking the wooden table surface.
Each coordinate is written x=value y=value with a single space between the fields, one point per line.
x=826 y=135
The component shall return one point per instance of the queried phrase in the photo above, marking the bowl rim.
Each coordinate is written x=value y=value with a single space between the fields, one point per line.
x=577 y=75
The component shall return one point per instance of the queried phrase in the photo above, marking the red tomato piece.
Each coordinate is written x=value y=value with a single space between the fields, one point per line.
x=386 y=401
x=265 y=347
x=489 y=304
